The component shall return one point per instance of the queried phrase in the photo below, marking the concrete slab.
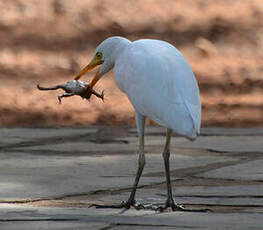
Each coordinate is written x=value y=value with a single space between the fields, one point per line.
x=220 y=191
x=28 y=176
x=249 y=195
x=50 y=225
x=247 y=171
x=126 y=220
x=118 y=147
x=97 y=165
x=17 y=135
x=231 y=132
x=211 y=131
x=216 y=143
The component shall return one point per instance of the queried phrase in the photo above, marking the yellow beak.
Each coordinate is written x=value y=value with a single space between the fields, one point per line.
x=95 y=62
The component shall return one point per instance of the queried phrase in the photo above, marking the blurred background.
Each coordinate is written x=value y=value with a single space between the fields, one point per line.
x=49 y=41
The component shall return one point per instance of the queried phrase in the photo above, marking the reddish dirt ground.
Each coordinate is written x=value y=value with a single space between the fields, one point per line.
x=47 y=42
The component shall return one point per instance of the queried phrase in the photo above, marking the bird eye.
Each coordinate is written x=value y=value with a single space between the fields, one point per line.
x=99 y=55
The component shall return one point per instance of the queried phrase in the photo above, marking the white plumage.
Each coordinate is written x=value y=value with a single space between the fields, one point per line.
x=160 y=84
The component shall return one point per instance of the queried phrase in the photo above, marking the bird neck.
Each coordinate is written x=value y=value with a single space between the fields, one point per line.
x=115 y=46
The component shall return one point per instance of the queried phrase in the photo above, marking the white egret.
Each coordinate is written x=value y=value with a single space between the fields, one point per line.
x=160 y=84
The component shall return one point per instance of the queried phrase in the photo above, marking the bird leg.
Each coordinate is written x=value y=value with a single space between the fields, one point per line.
x=131 y=201
x=166 y=156
x=141 y=163
x=170 y=201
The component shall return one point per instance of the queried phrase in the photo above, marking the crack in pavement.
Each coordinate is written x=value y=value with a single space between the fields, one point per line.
x=110 y=226
x=147 y=225
x=38 y=219
x=191 y=171
x=96 y=192
x=89 y=137
x=185 y=172
x=215 y=196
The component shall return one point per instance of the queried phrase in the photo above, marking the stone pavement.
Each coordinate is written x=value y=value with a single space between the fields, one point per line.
x=50 y=176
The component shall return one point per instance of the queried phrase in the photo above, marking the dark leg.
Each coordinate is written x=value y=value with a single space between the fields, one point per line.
x=170 y=201
x=141 y=163
x=166 y=157
x=140 y=121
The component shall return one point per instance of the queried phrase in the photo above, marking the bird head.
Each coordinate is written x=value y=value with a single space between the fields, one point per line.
x=104 y=56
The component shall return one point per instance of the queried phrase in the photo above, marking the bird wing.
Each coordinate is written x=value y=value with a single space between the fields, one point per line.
x=161 y=85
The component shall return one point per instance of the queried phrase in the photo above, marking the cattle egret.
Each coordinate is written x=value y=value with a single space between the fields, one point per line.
x=160 y=84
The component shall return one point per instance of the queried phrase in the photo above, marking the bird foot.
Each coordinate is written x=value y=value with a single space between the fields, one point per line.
x=126 y=205
x=157 y=208
x=174 y=206
x=180 y=208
